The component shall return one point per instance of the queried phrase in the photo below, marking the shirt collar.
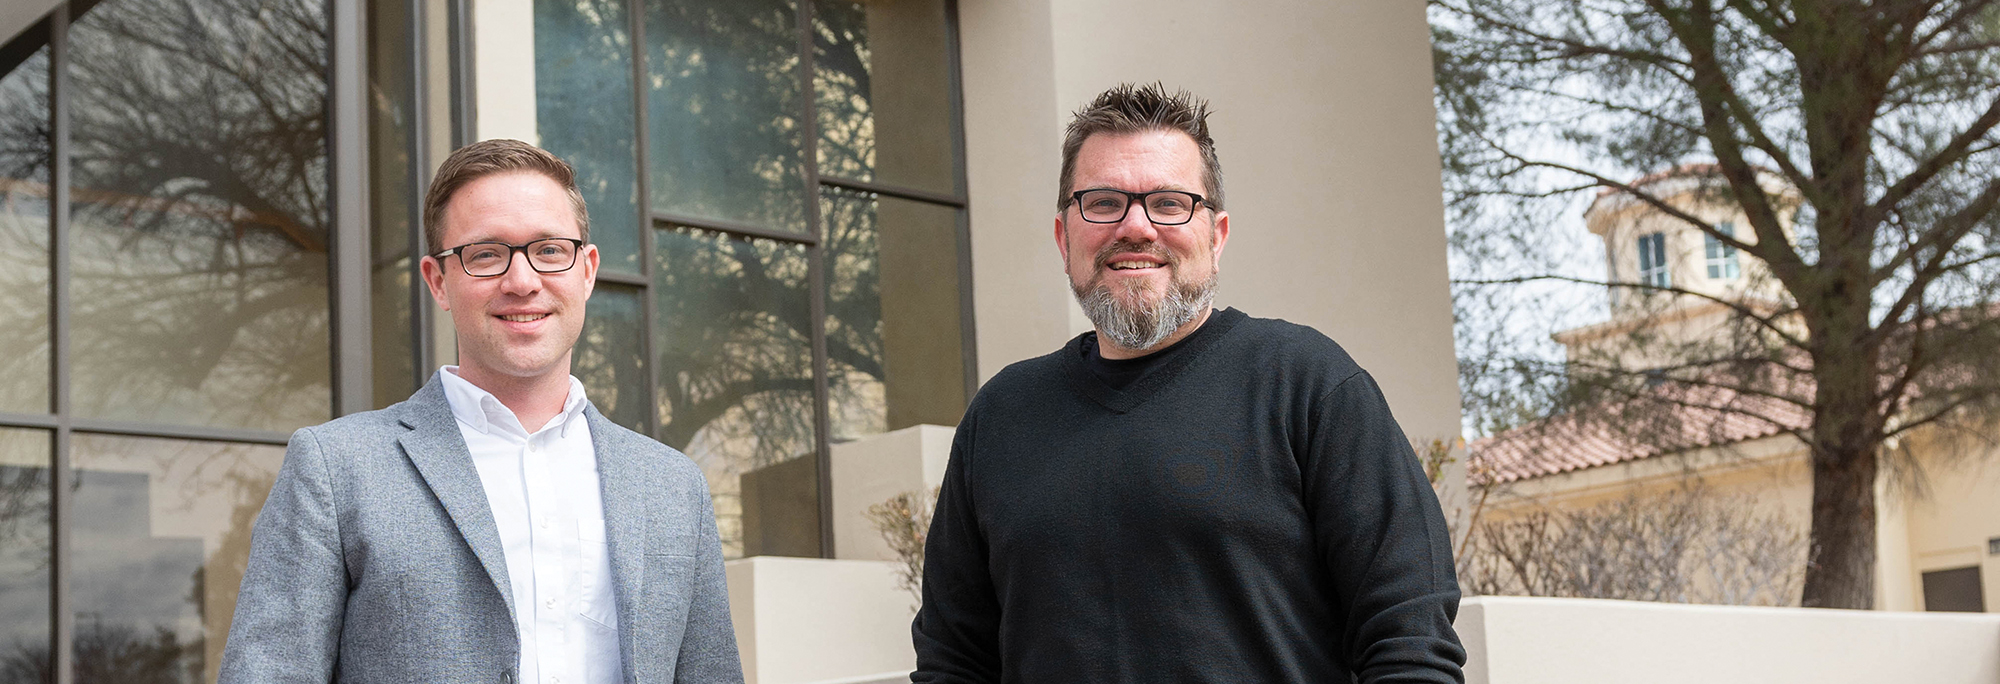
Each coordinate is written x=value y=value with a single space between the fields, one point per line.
x=479 y=409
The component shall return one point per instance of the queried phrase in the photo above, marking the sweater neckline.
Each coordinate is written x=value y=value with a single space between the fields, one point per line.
x=1085 y=382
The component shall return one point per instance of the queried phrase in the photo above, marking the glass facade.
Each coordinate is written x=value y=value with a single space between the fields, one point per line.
x=792 y=304
x=775 y=187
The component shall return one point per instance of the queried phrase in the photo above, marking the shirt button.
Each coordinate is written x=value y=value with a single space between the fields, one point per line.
x=551 y=604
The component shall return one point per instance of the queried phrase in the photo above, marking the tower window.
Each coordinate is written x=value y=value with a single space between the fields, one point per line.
x=1653 y=260
x=1722 y=257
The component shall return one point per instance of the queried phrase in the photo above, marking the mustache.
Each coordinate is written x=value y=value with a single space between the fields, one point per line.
x=1152 y=249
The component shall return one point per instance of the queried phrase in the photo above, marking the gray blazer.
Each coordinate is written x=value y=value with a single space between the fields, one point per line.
x=376 y=559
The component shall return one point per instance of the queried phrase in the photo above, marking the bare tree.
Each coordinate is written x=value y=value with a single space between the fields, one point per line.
x=1866 y=127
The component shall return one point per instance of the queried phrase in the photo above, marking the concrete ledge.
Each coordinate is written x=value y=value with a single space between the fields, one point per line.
x=1516 y=640
x=802 y=620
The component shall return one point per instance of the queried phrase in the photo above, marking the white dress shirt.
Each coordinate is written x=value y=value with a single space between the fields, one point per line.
x=550 y=513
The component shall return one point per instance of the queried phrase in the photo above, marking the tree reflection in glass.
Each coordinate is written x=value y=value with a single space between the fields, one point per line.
x=24 y=235
x=200 y=220
x=24 y=556
x=723 y=101
x=160 y=541
x=583 y=112
x=735 y=380
x=882 y=91
x=609 y=359
x=894 y=336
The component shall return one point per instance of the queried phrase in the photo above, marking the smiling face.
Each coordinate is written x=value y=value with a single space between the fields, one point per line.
x=517 y=327
x=1143 y=285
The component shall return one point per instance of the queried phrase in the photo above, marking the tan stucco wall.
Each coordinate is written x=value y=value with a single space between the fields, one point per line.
x=1326 y=131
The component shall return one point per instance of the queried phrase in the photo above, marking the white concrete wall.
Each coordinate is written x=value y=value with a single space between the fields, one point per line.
x=1511 y=640
x=503 y=55
x=813 y=620
x=1326 y=131
x=869 y=470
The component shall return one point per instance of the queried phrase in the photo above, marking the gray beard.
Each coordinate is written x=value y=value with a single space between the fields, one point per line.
x=1143 y=328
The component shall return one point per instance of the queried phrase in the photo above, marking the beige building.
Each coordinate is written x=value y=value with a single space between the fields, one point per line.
x=825 y=223
x=1938 y=524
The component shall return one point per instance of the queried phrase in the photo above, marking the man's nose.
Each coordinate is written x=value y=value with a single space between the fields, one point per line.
x=520 y=277
x=1137 y=225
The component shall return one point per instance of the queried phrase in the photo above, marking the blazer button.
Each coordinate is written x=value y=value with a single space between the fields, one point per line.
x=506 y=677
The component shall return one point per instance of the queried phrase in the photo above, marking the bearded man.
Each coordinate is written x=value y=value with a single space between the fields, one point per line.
x=1183 y=494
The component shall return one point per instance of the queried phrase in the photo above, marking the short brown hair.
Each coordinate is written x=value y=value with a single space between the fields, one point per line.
x=488 y=157
x=1130 y=108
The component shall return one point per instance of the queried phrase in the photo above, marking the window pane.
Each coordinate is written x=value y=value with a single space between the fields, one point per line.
x=24 y=554
x=200 y=263
x=1957 y=591
x=894 y=340
x=24 y=235
x=392 y=198
x=583 y=110
x=160 y=539
x=610 y=360
x=723 y=104
x=882 y=82
x=735 y=382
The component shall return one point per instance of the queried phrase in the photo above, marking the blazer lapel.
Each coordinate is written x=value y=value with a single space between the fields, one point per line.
x=622 y=479
x=438 y=450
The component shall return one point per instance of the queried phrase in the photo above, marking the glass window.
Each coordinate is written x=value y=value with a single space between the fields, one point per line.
x=199 y=270
x=894 y=341
x=24 y=554
x=24 y=234
x=733 y=329
x=1722 y=257
x=584 y=114
x=882 y=93
x=1957 y=590
x=1653 y=260
x=723 y=103
x=160 y=539
x=393 y=197
x=610 y=358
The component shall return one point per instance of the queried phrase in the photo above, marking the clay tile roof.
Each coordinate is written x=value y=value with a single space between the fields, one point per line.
x=1570 y=441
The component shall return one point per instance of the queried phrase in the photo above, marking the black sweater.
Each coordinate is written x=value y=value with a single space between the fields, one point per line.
x=1248 y=511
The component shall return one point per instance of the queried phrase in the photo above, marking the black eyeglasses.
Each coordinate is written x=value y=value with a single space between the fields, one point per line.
x=490 y=259
x=1162 y=207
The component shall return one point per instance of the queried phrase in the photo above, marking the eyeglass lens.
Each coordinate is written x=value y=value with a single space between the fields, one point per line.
x=493 y=258
x=1164 y=207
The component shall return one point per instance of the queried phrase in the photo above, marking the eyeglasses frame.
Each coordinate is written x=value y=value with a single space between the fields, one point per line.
x=575 y=244
x=1139 y=198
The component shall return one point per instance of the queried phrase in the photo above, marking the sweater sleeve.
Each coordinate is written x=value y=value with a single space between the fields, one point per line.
x=957 y=630
x=1384 y=541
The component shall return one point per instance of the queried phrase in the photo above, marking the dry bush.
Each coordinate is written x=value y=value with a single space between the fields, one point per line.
x=1689 y=545
x=904 y=520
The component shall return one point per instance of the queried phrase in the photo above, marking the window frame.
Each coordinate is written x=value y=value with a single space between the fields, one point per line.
x=1655 y=269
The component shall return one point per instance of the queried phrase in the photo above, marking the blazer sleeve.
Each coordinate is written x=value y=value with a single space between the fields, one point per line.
x=1387 y=550
x=708 y=649
x=957 y=629
x=294 y=593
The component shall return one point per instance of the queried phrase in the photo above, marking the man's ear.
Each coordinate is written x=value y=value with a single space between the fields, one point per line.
x=433 y=271
x=1062 y=242
x=590 y=258
x=1221 y=236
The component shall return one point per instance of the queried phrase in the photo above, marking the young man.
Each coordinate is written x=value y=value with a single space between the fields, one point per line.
x=1183 y=495
x=494 y=527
